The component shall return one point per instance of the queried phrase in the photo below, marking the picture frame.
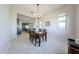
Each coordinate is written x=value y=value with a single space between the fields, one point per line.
x=47 y=23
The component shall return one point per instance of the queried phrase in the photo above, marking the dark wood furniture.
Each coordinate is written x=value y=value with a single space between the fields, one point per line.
x=44 y=34
x=73 y=48
x=36 y=37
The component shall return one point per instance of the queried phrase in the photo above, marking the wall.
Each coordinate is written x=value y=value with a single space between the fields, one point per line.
x=13 y=17
x=77 y=21
x=53 y=29
x=4 y=28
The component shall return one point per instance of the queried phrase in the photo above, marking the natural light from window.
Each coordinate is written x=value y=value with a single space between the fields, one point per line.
x=62 y=21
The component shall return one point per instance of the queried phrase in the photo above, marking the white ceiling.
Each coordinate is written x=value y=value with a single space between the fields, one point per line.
x=43 y=8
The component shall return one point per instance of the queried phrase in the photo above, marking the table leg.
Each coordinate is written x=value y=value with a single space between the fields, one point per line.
x=39 y=41
x=35 y=41
x=46 y=38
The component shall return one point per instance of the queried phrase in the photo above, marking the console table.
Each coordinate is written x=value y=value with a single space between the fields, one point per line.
x=73 y=48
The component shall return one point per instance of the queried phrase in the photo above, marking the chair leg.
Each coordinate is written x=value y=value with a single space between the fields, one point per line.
x=35 y=41
x=39 y=42
x=46 y=38
x=42 y=38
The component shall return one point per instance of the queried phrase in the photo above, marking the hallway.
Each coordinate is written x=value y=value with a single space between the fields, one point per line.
x=22 y=45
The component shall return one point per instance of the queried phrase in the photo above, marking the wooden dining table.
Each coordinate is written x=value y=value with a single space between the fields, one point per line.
x=38 y=36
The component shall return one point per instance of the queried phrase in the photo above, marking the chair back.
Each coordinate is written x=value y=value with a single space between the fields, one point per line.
x=44 y=30
x=40 y=30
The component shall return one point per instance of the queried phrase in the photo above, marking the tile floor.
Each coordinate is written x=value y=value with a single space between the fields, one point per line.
x=22 y=45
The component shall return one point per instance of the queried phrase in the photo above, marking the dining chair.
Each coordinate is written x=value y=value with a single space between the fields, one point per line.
x=40 y=30
x=44 y=34
x=37 y=39
x=34 y=38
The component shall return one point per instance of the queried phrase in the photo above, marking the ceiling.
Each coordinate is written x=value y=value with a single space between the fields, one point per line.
x=31 y=9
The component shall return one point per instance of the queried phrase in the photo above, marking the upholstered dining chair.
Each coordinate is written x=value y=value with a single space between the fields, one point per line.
x=44 y=34
x=34 y=38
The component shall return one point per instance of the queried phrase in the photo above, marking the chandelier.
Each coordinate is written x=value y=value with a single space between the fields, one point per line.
x=37 y=15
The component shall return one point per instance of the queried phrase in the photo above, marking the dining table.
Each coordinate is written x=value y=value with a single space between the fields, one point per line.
x=37 y=35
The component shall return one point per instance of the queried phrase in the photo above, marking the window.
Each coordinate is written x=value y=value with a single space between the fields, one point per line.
x=62 y=21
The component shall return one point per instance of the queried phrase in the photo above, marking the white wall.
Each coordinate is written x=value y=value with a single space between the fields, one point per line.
x=4 y=28
x=77 y=21
x=13 y=16
x=53 y=29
